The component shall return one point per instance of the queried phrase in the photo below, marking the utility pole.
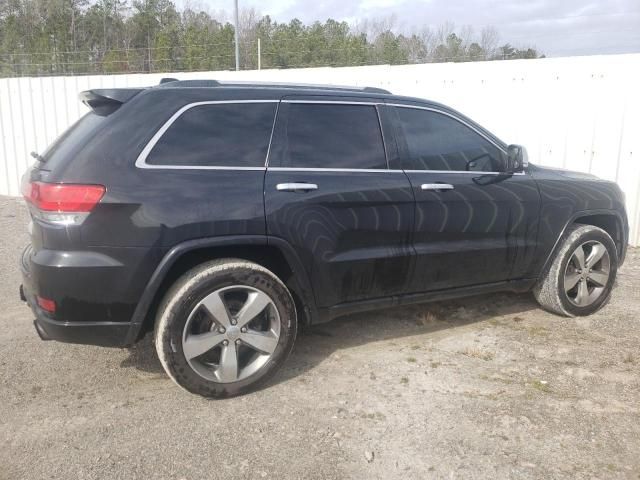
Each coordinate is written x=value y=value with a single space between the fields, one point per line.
x=259 y=56
x=236 y=36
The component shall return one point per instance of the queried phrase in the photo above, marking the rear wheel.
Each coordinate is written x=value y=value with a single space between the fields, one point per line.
x=580 y=277
x=225 y=328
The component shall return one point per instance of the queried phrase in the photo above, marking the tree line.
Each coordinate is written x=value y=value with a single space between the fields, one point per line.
x=73 y=37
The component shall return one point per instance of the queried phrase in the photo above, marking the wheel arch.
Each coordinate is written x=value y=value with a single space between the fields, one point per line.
x=274 y=254
x=611 y=221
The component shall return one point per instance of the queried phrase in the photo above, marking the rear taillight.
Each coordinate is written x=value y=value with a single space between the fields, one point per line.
x=46 y=304
x=61 y=204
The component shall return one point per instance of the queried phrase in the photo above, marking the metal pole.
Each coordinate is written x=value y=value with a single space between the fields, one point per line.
x=259 y=62
x=236 y=37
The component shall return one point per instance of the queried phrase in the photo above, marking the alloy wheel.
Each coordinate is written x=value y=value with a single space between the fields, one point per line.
x=231 y=333
x=587 y=273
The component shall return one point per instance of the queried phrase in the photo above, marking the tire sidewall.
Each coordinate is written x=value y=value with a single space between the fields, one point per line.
x=195 y=286
x=586 y=235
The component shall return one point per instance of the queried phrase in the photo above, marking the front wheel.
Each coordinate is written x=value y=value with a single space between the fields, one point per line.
x=580 y=277
x=225 y=327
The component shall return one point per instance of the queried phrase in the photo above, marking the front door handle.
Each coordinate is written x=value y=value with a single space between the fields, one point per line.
x=296 y=187
x=436 y=186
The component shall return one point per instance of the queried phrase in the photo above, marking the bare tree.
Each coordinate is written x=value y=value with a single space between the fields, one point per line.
x=428 y=38
x=489 y=41
x=466 y=38
x=444 y=31
x=248 y=39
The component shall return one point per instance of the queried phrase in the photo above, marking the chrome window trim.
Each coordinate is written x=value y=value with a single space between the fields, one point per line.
x=141 y=161
x=468 y=172
x=384 y=170
x=302 y=169
x=333 y=102
x=273 y=131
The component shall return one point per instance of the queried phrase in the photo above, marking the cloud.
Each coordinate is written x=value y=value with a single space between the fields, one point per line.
x=555 y=27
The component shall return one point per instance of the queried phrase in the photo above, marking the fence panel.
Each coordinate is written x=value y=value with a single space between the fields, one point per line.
x=579 y=113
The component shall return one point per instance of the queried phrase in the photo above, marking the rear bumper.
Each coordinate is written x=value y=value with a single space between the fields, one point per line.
x=102 y=333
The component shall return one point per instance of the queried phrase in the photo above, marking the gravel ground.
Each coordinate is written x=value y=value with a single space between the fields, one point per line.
x=489 y=387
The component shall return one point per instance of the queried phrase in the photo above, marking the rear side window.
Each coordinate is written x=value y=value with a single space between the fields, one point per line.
x=438 y=142
x=217 y=135
x=311 y=135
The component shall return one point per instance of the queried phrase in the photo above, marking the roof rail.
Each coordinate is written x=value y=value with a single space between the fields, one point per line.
x=309 y=86
x=188 y=83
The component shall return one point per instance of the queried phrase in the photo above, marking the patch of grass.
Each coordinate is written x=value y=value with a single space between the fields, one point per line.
x=404 y=380
x=435 y=364
x=629 y=358
x=415 y=347
x=536 y=331
x=477 y=353
x=411 y=359
x=541 y=385
x=505 y=381
x=374 y=416
x=426 y=319
x=518 y=319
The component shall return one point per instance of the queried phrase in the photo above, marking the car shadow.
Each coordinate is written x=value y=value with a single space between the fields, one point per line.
x=315 y=344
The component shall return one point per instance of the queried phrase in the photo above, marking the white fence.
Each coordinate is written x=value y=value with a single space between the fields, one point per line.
x=579 y=113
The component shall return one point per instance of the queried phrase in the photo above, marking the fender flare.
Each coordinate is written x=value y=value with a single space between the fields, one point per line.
x=585 y=213
x=300 y=277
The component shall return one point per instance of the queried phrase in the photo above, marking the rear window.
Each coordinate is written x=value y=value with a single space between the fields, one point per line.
x=71 y=141
x=329 y=136
x=217 y=135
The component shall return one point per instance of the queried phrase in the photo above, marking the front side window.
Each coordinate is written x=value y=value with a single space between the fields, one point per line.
x=438 y=142
x=312 y=135
x=217 y=135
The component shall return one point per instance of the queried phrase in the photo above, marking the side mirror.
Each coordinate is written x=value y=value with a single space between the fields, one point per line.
x=517 y=159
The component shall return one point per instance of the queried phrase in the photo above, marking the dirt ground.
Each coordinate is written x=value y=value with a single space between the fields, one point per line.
x=486 y=387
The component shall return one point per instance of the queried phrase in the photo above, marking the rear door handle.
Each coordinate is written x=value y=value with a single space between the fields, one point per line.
x=296 y=187
x=436 y=186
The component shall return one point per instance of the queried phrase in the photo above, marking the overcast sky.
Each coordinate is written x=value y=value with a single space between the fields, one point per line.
x=555 y=27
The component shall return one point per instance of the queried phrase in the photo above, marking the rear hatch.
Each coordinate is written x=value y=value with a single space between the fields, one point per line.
x=62 y=205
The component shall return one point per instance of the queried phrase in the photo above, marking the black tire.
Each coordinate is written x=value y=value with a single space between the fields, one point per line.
x=183 y=297
x=550 y=289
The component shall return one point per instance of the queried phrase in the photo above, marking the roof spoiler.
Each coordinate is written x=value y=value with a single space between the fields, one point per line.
x=105 y=101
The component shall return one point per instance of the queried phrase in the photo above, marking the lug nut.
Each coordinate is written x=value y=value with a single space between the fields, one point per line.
x=233 y=321
x=243 y=329
x=225 y=342
x=237 y=342
x=221 y=330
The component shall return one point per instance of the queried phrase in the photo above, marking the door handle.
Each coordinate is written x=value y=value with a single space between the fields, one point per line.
x=436 y=186
x=296 y=187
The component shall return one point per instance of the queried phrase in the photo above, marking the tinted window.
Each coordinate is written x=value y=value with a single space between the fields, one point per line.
x=329 y=136
x=438 y=142
x=228 y=134
x=73 y=140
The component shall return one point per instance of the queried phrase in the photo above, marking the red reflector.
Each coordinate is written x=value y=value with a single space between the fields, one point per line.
x=60 y=197
x=46 y=304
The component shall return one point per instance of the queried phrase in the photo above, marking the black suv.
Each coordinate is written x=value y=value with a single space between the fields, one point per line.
x=220 y=216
